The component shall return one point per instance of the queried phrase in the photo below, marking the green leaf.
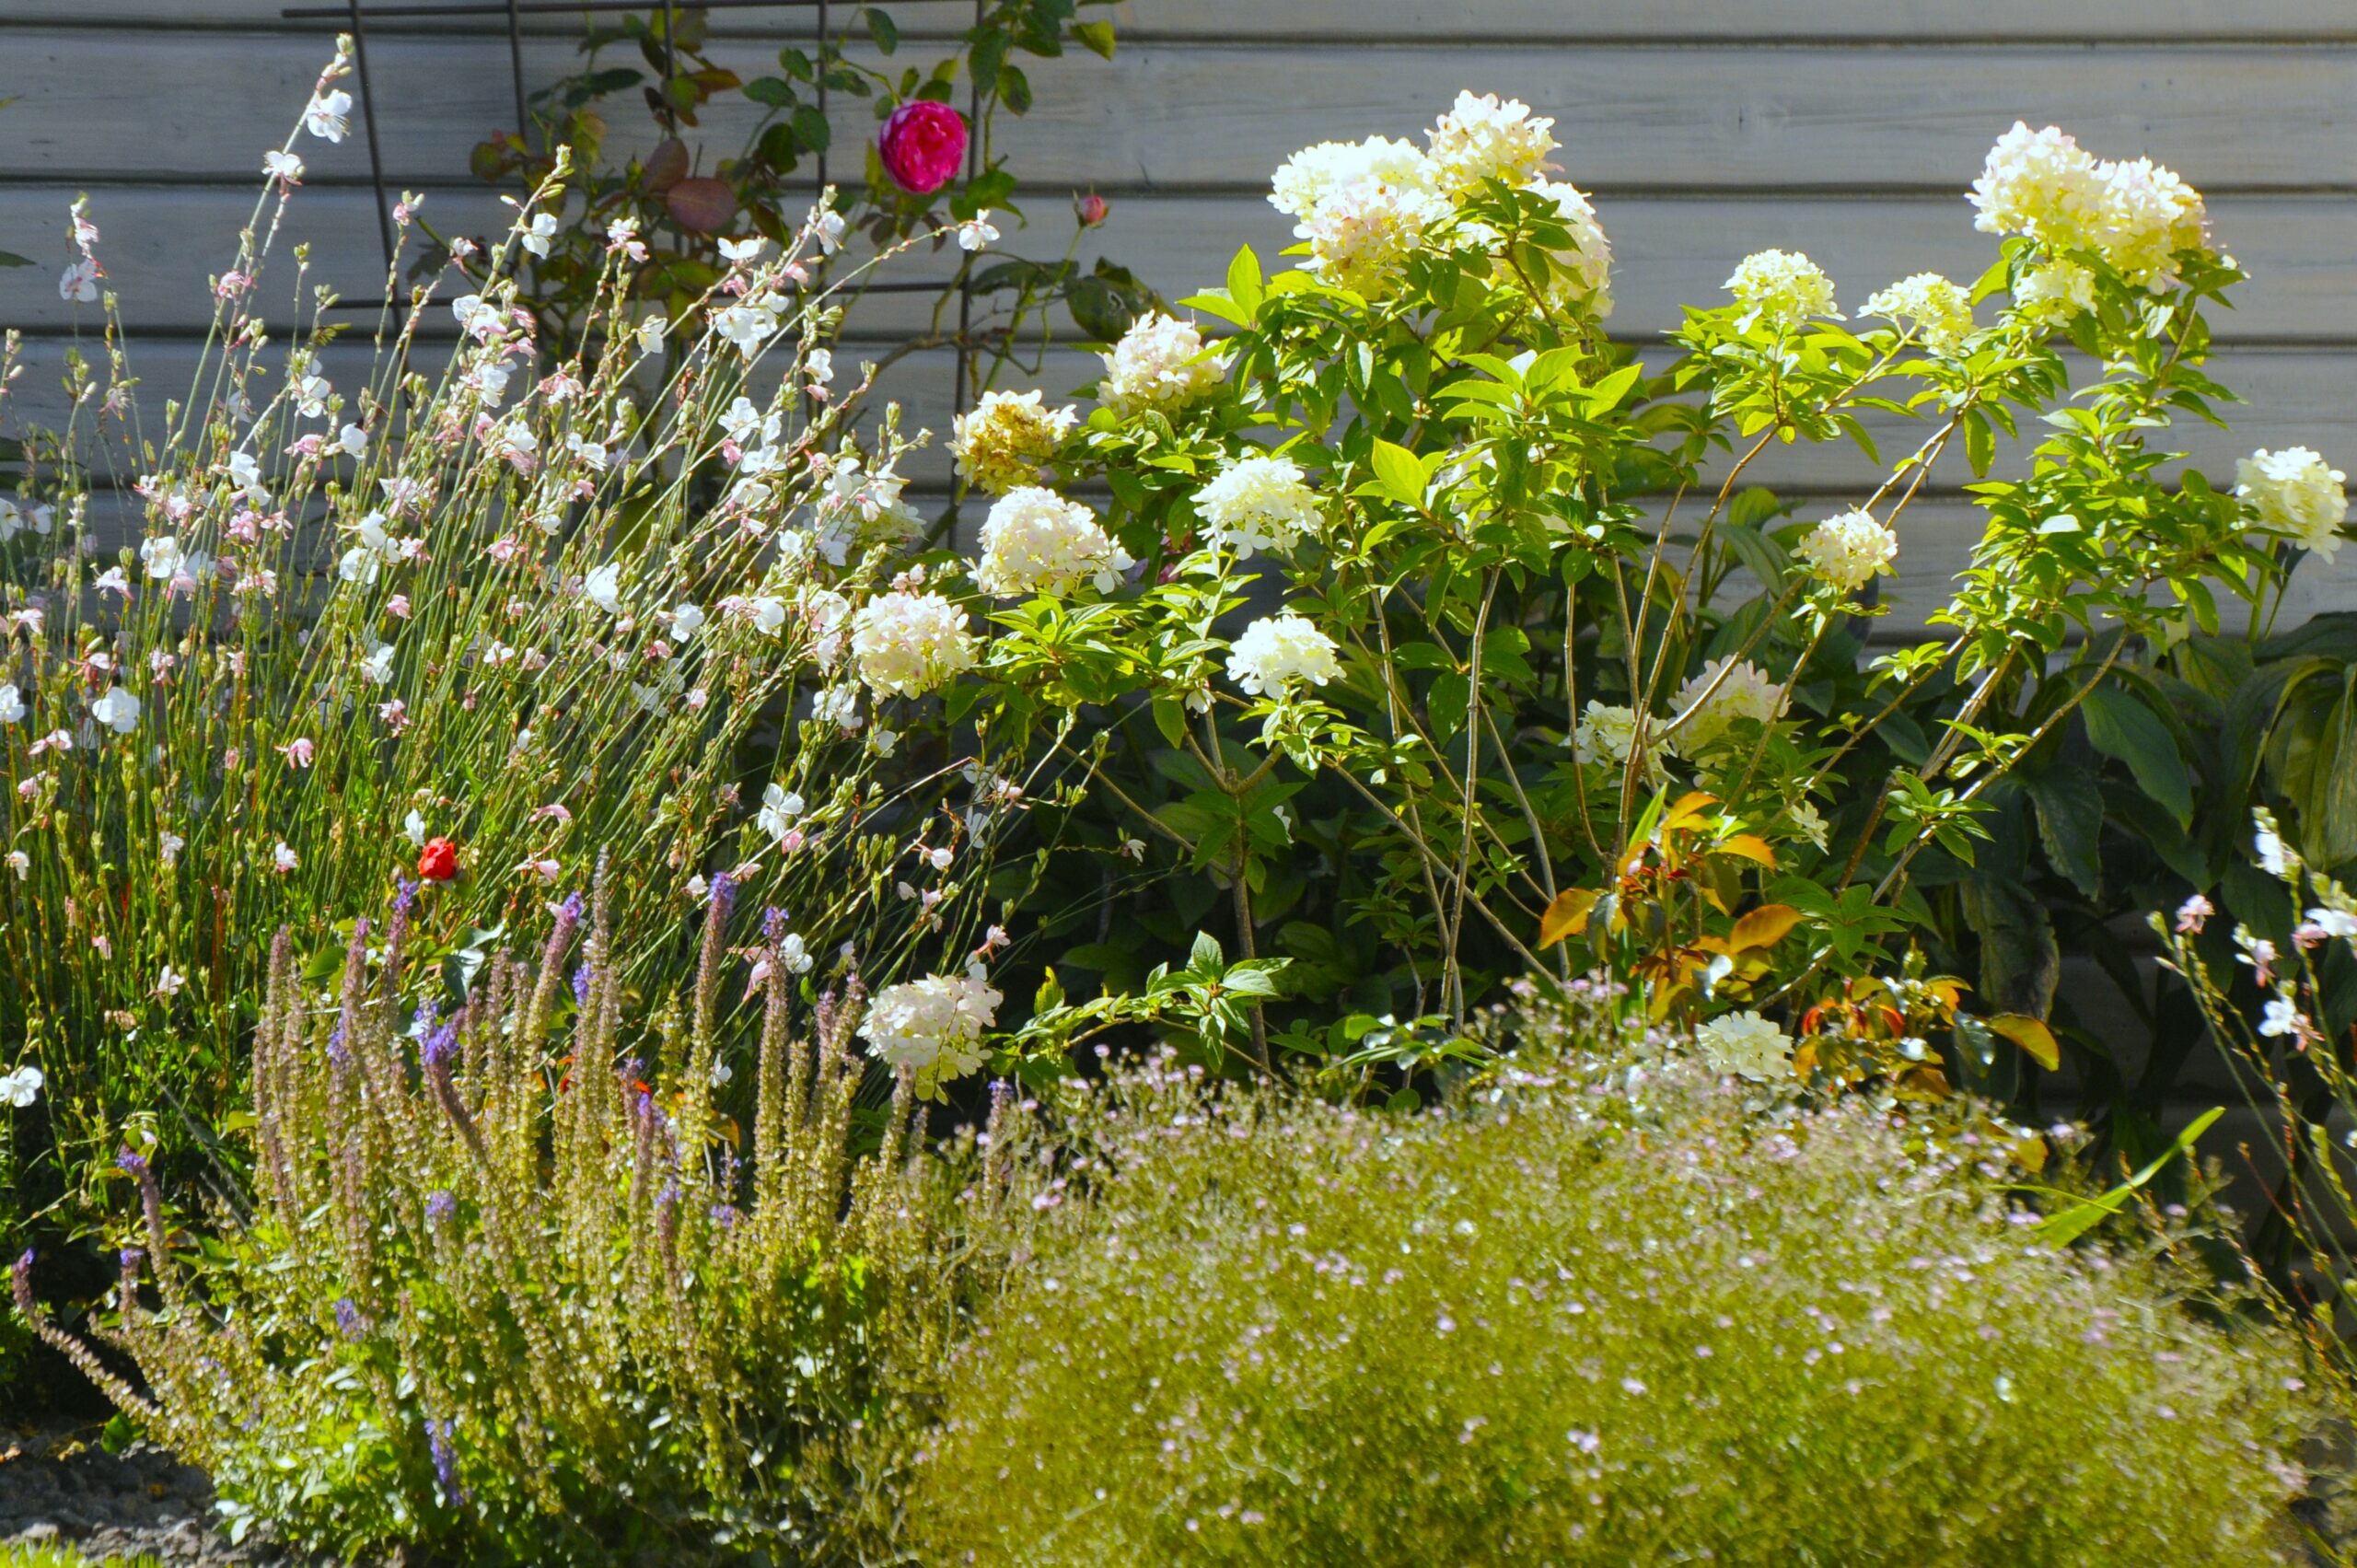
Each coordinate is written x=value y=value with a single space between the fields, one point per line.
x=2067 y=1225
x=1762 y=557
x=1171 y=720
x=10 y=259
x=2120 y=726
x=1401 y=476
x=1096 y=37
x=1244 y=284
x=1206 y=954
x=883 y=29
x=2070 y=823
x=771 y=90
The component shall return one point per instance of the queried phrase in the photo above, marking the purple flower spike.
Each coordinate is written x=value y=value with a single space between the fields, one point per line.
x=347 y=1318
x=441 y=1207
x=440 y=1046
x=134 y=1164
x=774 y=924
x=724 y=892
x=581 y=978
x=404 y=894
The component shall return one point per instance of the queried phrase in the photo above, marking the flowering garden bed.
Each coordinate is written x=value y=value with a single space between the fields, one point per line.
x=538 y=892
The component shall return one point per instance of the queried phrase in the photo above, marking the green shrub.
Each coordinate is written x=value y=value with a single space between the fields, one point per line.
x=1606 y=1316
x=517 y=1287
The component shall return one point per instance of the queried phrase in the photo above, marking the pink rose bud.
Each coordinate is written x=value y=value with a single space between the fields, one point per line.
x=1090 y=209
x=922 y=146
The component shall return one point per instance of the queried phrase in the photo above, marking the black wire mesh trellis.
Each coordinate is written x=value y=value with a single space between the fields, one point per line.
x=355 y=18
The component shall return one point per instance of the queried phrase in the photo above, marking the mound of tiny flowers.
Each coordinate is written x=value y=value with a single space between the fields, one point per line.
x=1586 y=1315
x=1035 y=541
x=1277 y=652
x=1848 y=550
x=1160 y=363
x=2296 y=494
x=1003 y=443
x=931 y=1027
x=1720 y=692
x=1783 y=288
x=907 y=644
x=1257 y=502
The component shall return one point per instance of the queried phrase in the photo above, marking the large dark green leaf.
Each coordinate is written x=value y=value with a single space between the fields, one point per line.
x=2124 y=727
x=2069 y=823
x=2020 y=963
x=2314 y=753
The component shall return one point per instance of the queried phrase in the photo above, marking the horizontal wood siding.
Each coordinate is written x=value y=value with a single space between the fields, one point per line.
x=1706 y=129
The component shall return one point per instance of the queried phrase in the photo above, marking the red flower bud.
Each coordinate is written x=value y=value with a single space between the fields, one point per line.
x=1090 y=208
x=439 y=863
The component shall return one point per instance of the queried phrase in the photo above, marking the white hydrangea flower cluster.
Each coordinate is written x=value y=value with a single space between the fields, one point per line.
x=1849 y=550
x=1486 y=138
x=1940 y=311
x=1748 y=1046
x=907 y=644
x=2056 y=292
x=1365 y=206
x=2295 y=493
x=1009 y=436
x=2043 y=184
x=1159 y=364
x=933 y=1026
x=1257 y=502
x=1277 y=652
x=1747 y=692
x=1783 y=288
x=1035 y=541
x=1606 y=731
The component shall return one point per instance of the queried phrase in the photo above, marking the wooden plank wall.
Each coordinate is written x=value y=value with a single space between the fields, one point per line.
x=1704 y=128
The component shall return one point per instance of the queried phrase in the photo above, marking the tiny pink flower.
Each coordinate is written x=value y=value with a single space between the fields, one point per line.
x=2191 y=914
x=297 y=752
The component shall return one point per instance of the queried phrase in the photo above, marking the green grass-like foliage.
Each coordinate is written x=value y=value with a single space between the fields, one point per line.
x=515 y=1290
x=66 y=1557
x=1591 y=1316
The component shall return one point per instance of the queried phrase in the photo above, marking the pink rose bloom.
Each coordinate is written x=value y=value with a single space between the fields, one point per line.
x=922 y=146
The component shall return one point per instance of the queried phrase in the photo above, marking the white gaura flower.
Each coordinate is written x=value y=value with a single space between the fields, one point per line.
x=538 y=234
x=79 y=283
x=742 y=250
x=413 y=829
x=1257 y=502
x=22 y=1087
x=283 y=860
x=12 y=704
x=976 y=232
x=1781 y=288
x=169 y=984
x=686 y=620
x=829 y=225
x=932 y=1026
x=283 y=166
x=352 y=440
x=825 y=616
x=779 y=807
x=650 y=335
x=1278 y=653
x=794 y=954
x=311 y=392
x=1035 y=541
x=1159 y=364
x=1486 y=138
x=2294 y=493
x=118 y=710
x=162 y=557
x=748 y=425
x=1848 y=550
x=837 y=705
x=1008 y=437
x=325 y=117
x=1747 y=692
x=1940 y=311
x=749 y=323
x=1748 y=1046
x=603 y=587
x=908 y=644
x=169 y=845
x=377 y=667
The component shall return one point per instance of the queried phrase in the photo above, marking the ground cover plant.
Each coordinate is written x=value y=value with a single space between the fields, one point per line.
x=1590 y=1311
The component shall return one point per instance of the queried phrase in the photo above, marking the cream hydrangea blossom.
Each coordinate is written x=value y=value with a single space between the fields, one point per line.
x=1605 y=734
x=1584 y=273
x=2295 y=494
x=1849 y=550
x=932 y=1026
x=1277 y=652
x=1486 y=138
x=1783 y=288
x=1002 y=444
x=2043 y=184
x=1257 y=502
x=907 y=644
x=1747 y=691
x=1940 y=311
x=1159 y=364
x=1035 y=541
x=1748 y=1046
x=1362 y=207
x=2056 y=292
